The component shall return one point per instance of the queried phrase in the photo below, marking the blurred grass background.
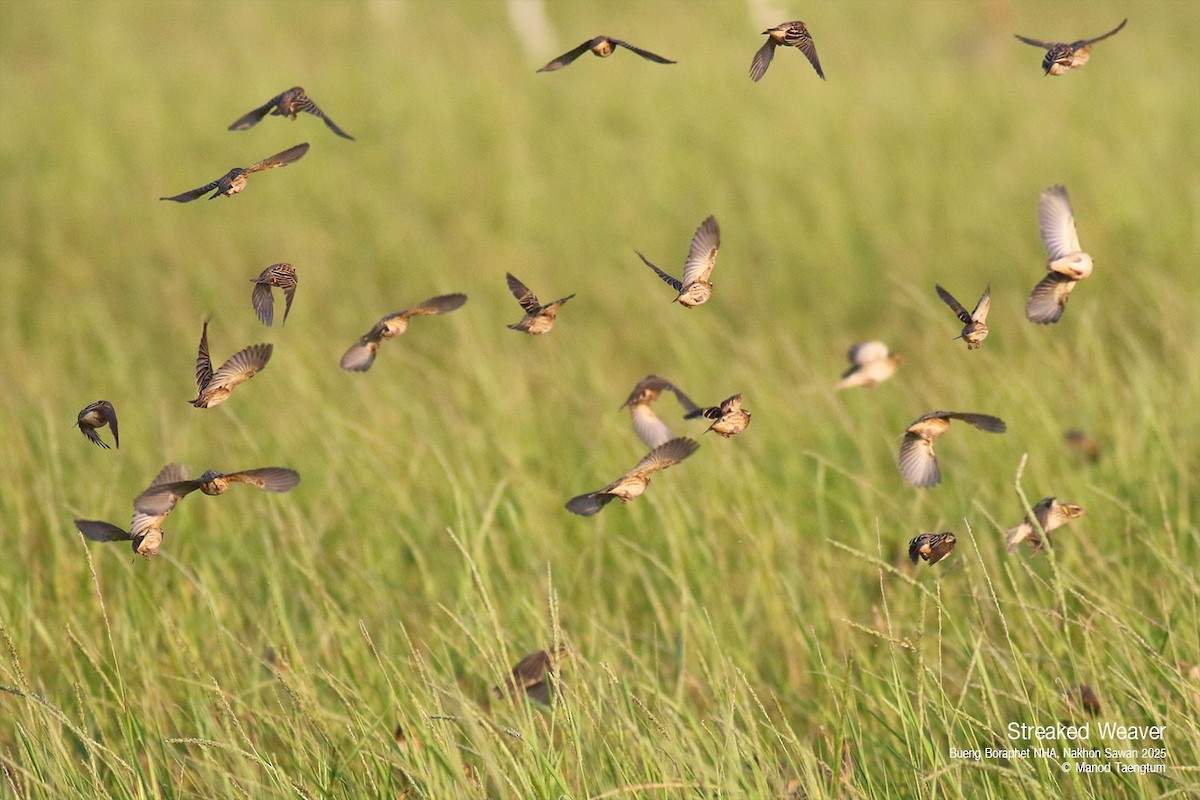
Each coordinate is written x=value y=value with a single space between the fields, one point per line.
x=748 y=628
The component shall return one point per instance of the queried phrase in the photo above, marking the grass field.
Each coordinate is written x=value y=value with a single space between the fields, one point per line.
x=751 y=627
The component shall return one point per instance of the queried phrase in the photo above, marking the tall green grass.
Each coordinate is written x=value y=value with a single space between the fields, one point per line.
x=751 y=627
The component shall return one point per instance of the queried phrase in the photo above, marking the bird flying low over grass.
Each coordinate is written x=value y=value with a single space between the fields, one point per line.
x=633 y=483
x=646 y=424
x=214 y=388
x=161 y=499
x=870 y=364
x=1067 y=263
x=1050 y=514
x=975 y=328
x=729 y=418
x=918 y=463
x=602 y=47
x=532 y=676
x=234 y=181
x=931 y=547
x=538 y=318
x=97 y=415
x=786 y=34
x=145 y=531
x=695 y=288
x=282 y=276
x=1062 y=57
x=361 y=354
x=286 y=104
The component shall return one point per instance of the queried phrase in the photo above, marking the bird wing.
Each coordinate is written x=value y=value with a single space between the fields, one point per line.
x=940 y=546
x=1049 y=298
x=666 y=454
x=1057 y=223
x=361 y=354
x=649 y=428
x=684 y=400
x=702 y=254
x=643 y=53
x=99 y=531
x=569 y=56
x=252 y=118
x=956 y=306
x=732 y=403
x=309 y=106
x=280 y=159
x=243 y=365
x=674 y=284
x=269 y=479
x=586 y=505
x=1035 y=42
x=917 y=462
x=985 y=422
x=189 y=196
x=441 y=304
x=171 y=473
x=526 y=298
x=158 y=501
x=1102 y=36
x=762 y=59
x=285 y=279
x=809 y=48
x=204 y=371
x=264 y=303
x=982 y=307
x=92 y=436
x=863 y=353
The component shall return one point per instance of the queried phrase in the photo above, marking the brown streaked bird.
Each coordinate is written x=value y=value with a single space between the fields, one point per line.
x=361 y=354
x=1067 y=263
x=532 y=676
x=234 y=181
x=932 y=547
x=97 y=415
x=975 y=328
x=282 y=276
x=1062 y=57
x=633 y=483
x=1050 y=514
x=728 y=418
x=871 y=363
x=646 y=424
x=287 y=104
x=145 y=531
x=538 y=318
x=695 y=288
x=787 y=34
x=162 y=498
x=918 y=463
x=214 y=388
x=1082 y=696
x=1083 y=443
x=602 y=47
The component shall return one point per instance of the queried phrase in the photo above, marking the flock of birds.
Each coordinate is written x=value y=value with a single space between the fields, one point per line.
x=871 y=362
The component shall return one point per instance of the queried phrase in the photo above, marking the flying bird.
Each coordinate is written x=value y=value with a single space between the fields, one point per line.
x=361 y=354
x=728 y=418
x=975 y=328
x=1050 y=515
x=145 y=531
x=532 y=676
x=538 y=318
x=870 y=363
x=646 y=424
x=1062 y=57
x=1083 y=443
x=234 y=181
x=633 y=483
x=214 y=388
x=932 y=547
x=603 y=47
x=1067 y=264
x=287 y=104
x=160 y=499
x=282 y=276
x=787 y=34
x=97 y=415
x=695 y=288
x=918 y=463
